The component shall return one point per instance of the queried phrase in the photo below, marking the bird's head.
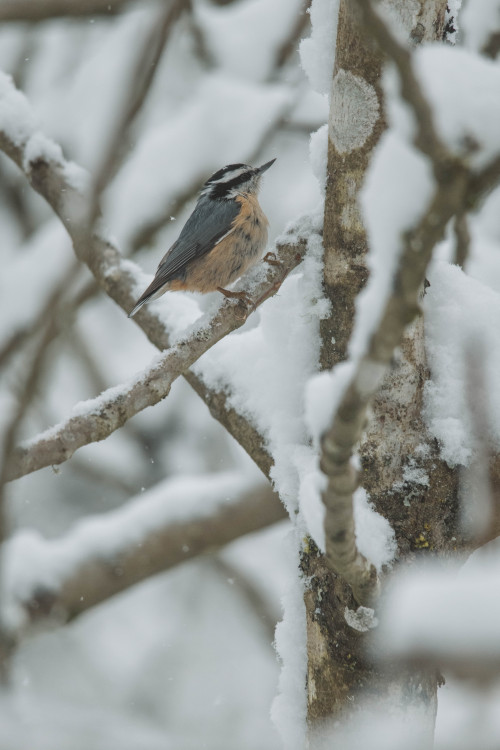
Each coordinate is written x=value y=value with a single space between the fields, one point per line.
x=233 y=180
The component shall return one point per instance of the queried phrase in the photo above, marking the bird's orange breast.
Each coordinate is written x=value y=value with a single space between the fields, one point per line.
x=233 y=255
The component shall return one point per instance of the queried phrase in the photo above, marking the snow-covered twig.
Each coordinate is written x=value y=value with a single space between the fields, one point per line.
x=457 y=188
x=103 y=555
x=64 y=185
x=340 y=440
x=98 y=418
x=427 y=138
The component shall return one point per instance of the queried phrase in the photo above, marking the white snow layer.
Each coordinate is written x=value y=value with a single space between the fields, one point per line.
x=479 y=20
x=31 y=561
x=234 y=32
x=288 y=711
x=460 y=86
x=444 y=612
x=20 y=126
x=16 y=118
x=317 y=53
x=395 y=195
x=459 y=310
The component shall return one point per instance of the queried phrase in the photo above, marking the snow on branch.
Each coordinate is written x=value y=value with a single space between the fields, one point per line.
x=177 y=520
x=97 y=418
x=427 y=138
x=65 y=187
x=457 y=187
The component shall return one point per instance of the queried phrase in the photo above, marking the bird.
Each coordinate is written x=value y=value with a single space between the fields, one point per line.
x=224 y=236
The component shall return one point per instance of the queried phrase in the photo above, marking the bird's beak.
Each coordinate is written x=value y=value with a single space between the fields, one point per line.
x=265 y=166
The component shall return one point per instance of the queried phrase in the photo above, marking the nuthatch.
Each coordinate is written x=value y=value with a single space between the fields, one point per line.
x=222 y=238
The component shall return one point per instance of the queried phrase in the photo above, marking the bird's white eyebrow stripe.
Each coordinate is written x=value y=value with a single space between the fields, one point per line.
x=231 y=175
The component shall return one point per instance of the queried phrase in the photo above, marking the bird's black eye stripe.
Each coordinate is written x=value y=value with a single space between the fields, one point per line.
x=222 y=172
x=221 y=189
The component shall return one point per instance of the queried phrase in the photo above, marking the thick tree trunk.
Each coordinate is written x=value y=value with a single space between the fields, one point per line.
x=424 y=516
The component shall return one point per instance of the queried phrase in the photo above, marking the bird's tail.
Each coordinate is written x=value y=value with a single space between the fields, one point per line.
x=154 y=290
x=140 y=302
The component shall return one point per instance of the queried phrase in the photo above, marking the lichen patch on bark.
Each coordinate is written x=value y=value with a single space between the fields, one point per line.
x=354 y=111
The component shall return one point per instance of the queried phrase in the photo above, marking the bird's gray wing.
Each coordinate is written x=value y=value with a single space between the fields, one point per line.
x=209 y=222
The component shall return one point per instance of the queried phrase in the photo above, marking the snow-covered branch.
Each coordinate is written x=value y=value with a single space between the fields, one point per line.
x=457 y=187
x=96 y=419
x=65 y=187
x=102 y=555
x=427 y=138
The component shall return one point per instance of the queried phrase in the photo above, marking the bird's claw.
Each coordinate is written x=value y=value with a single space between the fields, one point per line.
x=272 y=259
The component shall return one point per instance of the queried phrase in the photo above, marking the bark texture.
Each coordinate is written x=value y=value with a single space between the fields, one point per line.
x=424 y=516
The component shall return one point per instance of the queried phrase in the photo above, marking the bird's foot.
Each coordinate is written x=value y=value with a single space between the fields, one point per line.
x=242 y=296
x=272 y=259
x=245 y=301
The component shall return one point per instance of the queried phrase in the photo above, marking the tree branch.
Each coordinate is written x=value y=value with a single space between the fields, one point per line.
x=90 y=564
x=427 y=138
x=456 y=187
x=43 y=10
x=62 y=184
x=141 y=79
x=99 y=417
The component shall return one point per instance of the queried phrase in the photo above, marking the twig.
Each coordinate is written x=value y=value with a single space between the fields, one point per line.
x=147 y=233
x=43 y=317
x=25 y=397
x=290 y=45
x=141 y=79
x=453 y=191
x=246 y=587
x=46 y=328
x=427 y=139
x=475 y=491
x=462 y=239
x=102 y=476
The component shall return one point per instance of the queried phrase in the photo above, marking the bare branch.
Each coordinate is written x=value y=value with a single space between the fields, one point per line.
x=42 y=10
x=427 y=138
x=290 y=45
x=141 y=80
x=475 y=491
x=483 y=182
x=47 y=329
x=43 y=317
x=462 y=239
x=90 y=580
x=246 y=587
